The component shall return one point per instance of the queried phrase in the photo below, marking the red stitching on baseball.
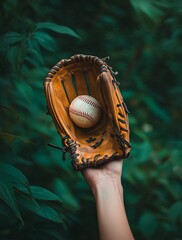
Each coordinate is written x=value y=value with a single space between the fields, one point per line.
x=82 y=114
x=90 y=102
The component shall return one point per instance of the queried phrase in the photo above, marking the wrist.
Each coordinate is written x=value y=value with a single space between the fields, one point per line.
x=106 y=186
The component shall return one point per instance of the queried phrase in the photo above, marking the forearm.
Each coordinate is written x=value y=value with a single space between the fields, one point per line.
x=112 y=220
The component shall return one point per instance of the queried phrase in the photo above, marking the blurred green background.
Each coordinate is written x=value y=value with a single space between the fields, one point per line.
x=41 y=197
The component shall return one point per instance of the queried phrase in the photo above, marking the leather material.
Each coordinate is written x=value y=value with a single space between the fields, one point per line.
x=109 y=138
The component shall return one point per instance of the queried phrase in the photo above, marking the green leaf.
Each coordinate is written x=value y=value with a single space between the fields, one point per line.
x=45 y=40
x=128 y=94
x=148 y=222
x=63 y=191
x=34 y=58
x=56 y=28
x=33 y=46
x=10 y=38
x=41 y=193
x=140 y=175
x=9 y=112
x=40 y=209
x=156 y=109
x=147 y=7
x=12 y=175
x=13 y=172
x=8 y=196
x=50 y=213
x=144 y=151
x=10 y=138
x=15 y=56
x=175 y=211
x=24 y=90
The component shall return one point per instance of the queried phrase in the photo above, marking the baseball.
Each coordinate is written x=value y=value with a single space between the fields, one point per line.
x=85 y=111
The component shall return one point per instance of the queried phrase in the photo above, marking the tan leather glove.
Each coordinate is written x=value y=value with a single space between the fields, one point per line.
x=109 y=138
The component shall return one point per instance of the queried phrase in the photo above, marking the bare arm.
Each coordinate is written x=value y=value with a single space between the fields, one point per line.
x=105 y=183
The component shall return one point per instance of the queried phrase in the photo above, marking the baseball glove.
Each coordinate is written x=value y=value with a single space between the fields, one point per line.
x=109 y=138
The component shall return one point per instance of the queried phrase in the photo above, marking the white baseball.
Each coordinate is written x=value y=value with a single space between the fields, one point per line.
x=85 y=111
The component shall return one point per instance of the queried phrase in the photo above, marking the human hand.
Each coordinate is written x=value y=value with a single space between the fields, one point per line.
x=106 y=172
x=105 y=183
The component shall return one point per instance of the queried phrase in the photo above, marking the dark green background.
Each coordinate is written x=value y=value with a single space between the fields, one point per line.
x=41 y=197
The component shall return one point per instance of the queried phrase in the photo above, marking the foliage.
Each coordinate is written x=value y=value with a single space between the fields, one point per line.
x=41 y=197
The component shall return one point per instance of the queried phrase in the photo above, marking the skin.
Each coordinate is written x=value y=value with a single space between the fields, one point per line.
x=105 y=183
